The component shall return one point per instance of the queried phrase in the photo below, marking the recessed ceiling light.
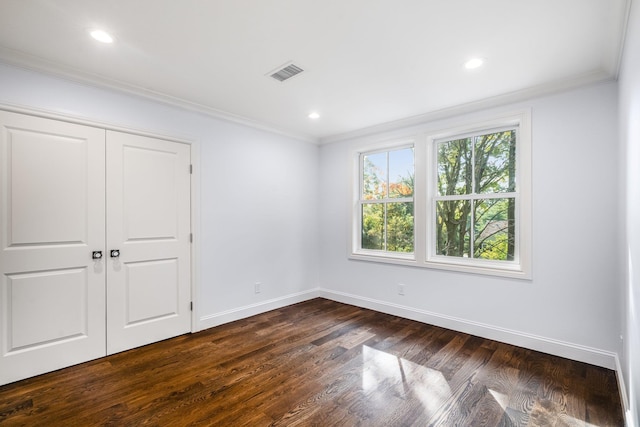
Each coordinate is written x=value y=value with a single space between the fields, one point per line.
x=101 y=36
x=473 y=63
x=314 y=115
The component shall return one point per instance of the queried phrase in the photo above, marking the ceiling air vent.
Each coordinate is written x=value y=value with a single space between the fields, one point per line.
x=284 y=73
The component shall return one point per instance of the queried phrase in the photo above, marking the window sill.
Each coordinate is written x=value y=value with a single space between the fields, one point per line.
x=513 y=270
x=386 y=258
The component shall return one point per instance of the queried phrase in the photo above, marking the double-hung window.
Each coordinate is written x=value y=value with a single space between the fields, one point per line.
x=475 y=196
x=457 y=199
x=386 y=202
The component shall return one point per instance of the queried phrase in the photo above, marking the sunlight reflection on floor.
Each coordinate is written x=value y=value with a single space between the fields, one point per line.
x=403 y=378
x=385 y=373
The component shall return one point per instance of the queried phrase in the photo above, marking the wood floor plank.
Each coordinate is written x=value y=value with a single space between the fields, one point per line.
x=319 y=363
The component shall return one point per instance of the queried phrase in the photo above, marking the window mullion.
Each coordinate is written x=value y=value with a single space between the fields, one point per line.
x=473 y=165
x=472 y=201
x=472 y=229
x=421 y=204
x=384 y=227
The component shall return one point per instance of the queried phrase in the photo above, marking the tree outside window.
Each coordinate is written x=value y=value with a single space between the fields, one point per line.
x=475 y=201
x=386 y=201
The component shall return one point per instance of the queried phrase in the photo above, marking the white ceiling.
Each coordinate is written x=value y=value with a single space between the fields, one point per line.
x=367 y=62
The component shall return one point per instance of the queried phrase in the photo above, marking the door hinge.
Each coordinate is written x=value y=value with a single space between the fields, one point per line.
x=191 y=306
x=190 y=237
x=191 y=169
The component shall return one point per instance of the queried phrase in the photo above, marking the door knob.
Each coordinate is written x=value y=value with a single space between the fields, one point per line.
x=115 y=253
x=96 y=255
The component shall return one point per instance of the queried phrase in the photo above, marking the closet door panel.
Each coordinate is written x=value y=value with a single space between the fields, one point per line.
x=52 y=293
x=148 y=222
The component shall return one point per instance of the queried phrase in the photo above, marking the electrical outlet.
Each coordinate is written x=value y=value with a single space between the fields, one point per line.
x=401 y=289
x=257 y=287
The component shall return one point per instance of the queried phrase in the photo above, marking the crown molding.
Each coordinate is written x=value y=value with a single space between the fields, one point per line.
x=33 y=63
x=596 y=77
x=37 y=64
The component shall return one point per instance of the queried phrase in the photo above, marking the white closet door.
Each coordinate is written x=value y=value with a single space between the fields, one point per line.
x=52 y=293
x=148 y=222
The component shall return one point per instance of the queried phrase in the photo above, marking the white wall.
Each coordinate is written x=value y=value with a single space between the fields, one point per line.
x=629 y=89
x=257 y=192
x=571 y=306
x=259 y=219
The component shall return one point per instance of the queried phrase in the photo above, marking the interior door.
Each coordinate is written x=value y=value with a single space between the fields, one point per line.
x=52 y=293
x=148 y=224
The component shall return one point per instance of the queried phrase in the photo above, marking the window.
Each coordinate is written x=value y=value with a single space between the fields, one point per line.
x=459 y=200
x=476 y=196
x=386 y=201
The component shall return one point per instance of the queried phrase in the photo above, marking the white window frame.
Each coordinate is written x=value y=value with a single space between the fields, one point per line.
x=520 y=267
x=357 y=252
x=425 y=197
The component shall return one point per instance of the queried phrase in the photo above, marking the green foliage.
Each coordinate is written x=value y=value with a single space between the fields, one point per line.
x=453 y=227
x=400 y=227
x=474 y=167
x=492 y=239
x=373 y=226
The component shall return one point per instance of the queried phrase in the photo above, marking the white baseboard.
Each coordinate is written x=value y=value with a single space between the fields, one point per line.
x=568 y=350
x=572 y=351
x=217 y=319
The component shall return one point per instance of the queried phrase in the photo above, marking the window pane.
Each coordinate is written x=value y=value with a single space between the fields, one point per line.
x=401 y=173
x=400 y=227
x=495 y=162
x=494 y=229
x=374 y=176
x=453 y=228
x=454 y=167
x=373 y=226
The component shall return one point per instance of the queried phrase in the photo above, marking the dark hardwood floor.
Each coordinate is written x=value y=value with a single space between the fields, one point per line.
x=320 y=363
